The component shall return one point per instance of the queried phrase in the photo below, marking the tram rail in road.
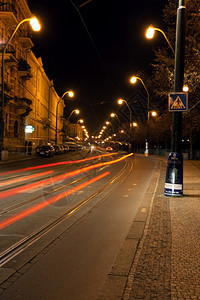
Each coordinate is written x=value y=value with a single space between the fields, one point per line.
x=106 y=187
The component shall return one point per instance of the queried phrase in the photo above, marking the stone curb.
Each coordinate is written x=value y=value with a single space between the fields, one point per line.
x=115 y=283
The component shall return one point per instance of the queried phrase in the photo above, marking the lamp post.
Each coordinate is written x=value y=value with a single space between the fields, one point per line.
x=150 y=34
x=36 y=27
x=71 y=94
x=80 y=121
x=120 y=101
x=174 y=176
x=133 y=80
x=76 y=111
x=113 y=115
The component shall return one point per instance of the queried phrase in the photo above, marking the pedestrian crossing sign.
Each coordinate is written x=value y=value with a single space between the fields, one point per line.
x=178 y=102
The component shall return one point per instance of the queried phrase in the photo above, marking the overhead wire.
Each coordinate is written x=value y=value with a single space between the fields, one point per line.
x=94 y=45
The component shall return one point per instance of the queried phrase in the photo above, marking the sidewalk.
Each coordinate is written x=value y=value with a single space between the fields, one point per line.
x=165 y=261
x=16 y=156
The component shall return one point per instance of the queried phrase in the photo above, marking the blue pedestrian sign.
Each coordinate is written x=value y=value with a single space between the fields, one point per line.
x=178 y=102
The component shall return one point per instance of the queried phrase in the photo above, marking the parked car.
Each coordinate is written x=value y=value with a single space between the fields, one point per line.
x=45 y=150
x=71 y=145
x=66 y=148
x=58 y=149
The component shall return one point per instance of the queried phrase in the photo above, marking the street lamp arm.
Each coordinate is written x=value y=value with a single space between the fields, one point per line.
x=160 y=30
x=15 y=30
x=67 y=92
x=75 y=110
x=145 y=89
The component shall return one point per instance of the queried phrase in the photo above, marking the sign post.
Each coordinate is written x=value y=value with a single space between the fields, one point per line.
x=174 y=169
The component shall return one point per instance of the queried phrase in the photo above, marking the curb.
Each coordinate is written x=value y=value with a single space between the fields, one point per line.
x=7 y=162
x=115 y=284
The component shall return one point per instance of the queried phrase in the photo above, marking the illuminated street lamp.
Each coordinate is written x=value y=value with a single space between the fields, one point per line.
x=120 y=102
x=76 y=111
x=113 y=115
x=70 y=94
x=36 y=27
x=150 y=33
x=80 y=121
x=133 y=80
x=185 y=88
x=153 y=113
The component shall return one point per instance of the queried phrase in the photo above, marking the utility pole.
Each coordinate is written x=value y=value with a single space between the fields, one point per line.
x=174 y=176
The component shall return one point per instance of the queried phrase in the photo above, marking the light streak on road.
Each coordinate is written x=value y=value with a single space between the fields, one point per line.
x=49 y=181
x=41 y=205
x=56 y=164
x=16 y=180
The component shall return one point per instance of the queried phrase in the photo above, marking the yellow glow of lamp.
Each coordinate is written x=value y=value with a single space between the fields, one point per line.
x=133 y=79
x=35 y=24
x=120 y=101
x=185 y=88
x=71 y=94
x=77 y=111
x=150 y=32
x=154 y=113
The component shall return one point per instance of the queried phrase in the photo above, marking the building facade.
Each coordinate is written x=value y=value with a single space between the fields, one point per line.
x=30 y=100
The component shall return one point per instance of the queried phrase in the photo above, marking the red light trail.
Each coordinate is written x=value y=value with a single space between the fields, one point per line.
x=49 y=181
x=56 y=164
x=16 y=180
x=43 y=204
x=52 y=180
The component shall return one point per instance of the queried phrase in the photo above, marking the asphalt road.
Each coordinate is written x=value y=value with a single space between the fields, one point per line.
x=83 y=249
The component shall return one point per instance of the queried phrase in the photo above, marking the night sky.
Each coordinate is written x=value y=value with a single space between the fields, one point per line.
x=94 y=53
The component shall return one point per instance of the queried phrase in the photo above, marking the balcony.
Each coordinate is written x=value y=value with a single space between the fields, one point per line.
x=24 y=39
x=10 y=58
x=8 y=14
x=23 y=106
x=26 y=42
x=24 y=70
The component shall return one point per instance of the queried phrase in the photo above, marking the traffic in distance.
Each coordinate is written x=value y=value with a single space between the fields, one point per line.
x=49 y=150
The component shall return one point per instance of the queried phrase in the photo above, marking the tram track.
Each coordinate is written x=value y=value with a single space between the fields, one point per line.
x=23 y=203
x=31 y=238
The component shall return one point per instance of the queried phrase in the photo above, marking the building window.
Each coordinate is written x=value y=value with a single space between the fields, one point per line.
x=16 y=129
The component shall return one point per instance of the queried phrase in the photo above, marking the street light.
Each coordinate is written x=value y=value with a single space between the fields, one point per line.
x=153 y=113
x=76 y=111
x=36 y=27
x=80 y=121
x=185 y=88
x=150 y=33
x=174 y=176
x=115 y=115
x=133 y=80
x=70 y=94
x=120 y=102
